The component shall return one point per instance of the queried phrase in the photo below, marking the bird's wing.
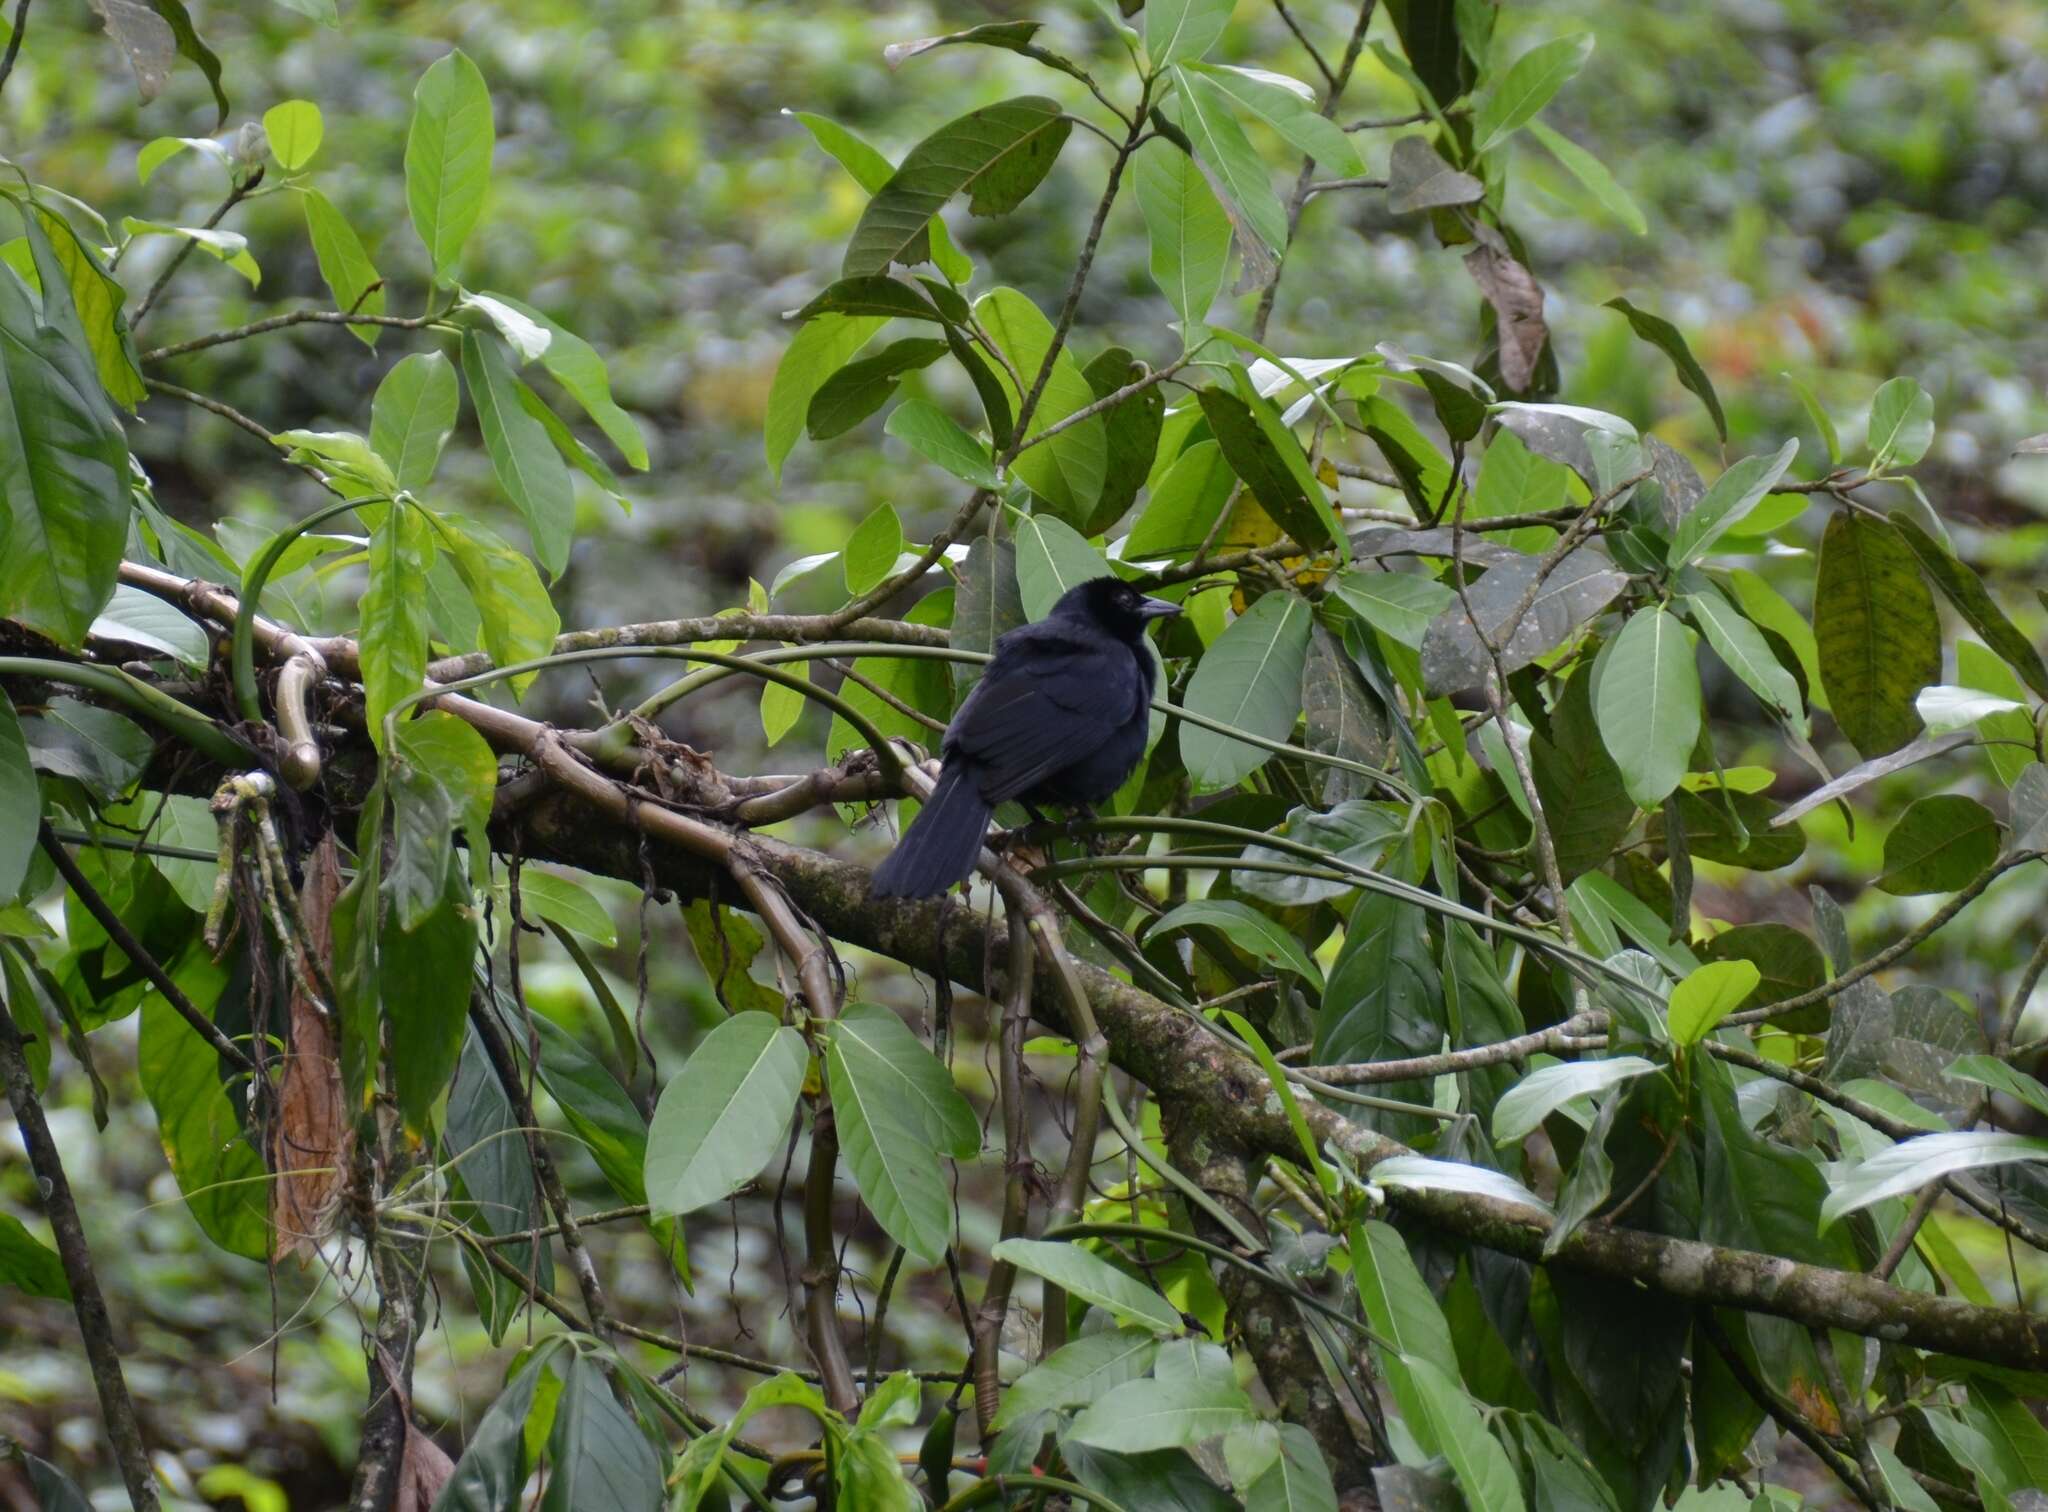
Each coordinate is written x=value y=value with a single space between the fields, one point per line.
x=1046 y=701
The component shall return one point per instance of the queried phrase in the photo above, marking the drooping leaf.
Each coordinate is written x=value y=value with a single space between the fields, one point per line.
x=1264 y=453
x=1913 y=1163
x=412 y=416
x=1251 y=679
x=937 y=437
x=1236 y=171
x=882 y=1054
x=894 y=1102
x=448 y=158
x=21 y=804
x=1078 y=1373
x=1877 y=630
x=1524 y=1106
x=492 y=1470
x=1169 y=1413
x=573 y=362
x=517 y=616
x=1668 y=339
x=1131 y=433
x=1649 y=704
x=60 y=256
x=392 y=635
x=1593 y=174
x=1259 y=936
x=28 y=1265
x=860 y=388
x=1744 y=651
x=1584 y=799
x=997 y=154
x=1419 y=179
x=1180 y=31
x=1961 y=586
x=1384 y=999
x=1940 y=844
x=1289 y=107
x=523 y=458
x=597 y=1453
x=822 y=346
x=1517 y=303
x=725 y=1114
x=1093 y=1280
x=1184 y=505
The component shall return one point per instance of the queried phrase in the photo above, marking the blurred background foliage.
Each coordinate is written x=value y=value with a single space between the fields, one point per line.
x=1839 y=191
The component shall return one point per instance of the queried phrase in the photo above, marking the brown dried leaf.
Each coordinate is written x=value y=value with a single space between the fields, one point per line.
x=1517 y=301
x=309 y=1138
x=425 y=1469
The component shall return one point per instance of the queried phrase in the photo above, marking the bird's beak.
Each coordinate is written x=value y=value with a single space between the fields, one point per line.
x=1153 y=608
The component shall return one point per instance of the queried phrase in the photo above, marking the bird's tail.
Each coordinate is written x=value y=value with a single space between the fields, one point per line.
x=941 y=844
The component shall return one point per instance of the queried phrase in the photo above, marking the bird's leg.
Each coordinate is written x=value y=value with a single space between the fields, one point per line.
x=1084 y=813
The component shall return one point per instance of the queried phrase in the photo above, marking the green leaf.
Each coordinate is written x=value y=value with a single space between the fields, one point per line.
x=1523 y=1107
x=1744 y=651
x=860 y=388
x=937 y=437
x=1877 y=631
x=344 y=454
x=1400 y=605
x=1297 y=1481
x=1735 y=829
x=1184 y=505
x=1734 y=494
x=782 y=706
x=1094 y=1280
x=1078 y=1373
x=218 y=1170
x=1051 y=558
x=64 y=502
x=1576 y=589
x=1648 y=704
x=392 y=634
x=1289 y=107
x=873 y=294
x=1401 y=1312
x=162 y=149
x=21 y=805
x=1989 y=1071
x=61 y=257
x=725 y=1114
x=1385 y=997
x=1707 y=995
x=1154 y=1413
x=1249 y=679
x=518 y=617
x=888 y=1062
x=872 y=549
x=1068 y=471
x=431 y=965
x=1940 y=844
x=1263 y=452
x=1180 y=31
x=230 y=247
x=1592 y=173
x=448 y=158
x=568 y=904
x=573 y=362
x=523 y=458
x=1245 y=927
x=1451 y=1421
x=820 y=348
x=1238 y=174
x=1961 y=586
x=1901 y=424
x=98 y=747
x=1131 y=432
x=485 y=1148
x=1668 y=339
x=887 y=1151
x=29 y=1265
x=997 y=154
x=136 y=618
x=412 y=416
x=1913 y=1163
x=492 y=1470
x=597 y=1454
x=527 y=338
x=1187 y=229
x=294 y=130
x=2018 y=1442
x=1527 y=87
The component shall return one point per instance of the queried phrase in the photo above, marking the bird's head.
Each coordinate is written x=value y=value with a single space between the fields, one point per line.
x=1114 y=605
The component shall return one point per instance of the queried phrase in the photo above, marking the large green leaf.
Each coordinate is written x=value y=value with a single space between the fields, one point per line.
x=1188 y=232
x=2018 y=1443
x=860 y=388
x=1250 y=679
x=1543 y=1091
x=412 y=415
x=1450 y=1419
x=61 y=257
x=493 y=1191
x=937 y=437
x=1384 y=1000
x=28 y=1265
x=492 y=1470
x=1708 y=994
x=1940 y=844
x=1592 y=173
x=523 y=458
x=1648 y=704
x=1068 y=471
x=1131 y=431
x=448 y=158
x=1184 y=505
x=1237 y=173
x=819 y=349
x=1264 y=453
x=1734 y=494
x=1744 y=651
x=1178 y=31
x=871 y=550
x=598 y=1455
x=1913 y=1163
x=21 y=804
x=1078 y=1373
x=1402 y=1313
x=997 y=154
x=573 y=362
x=350 y=275
x=1296 y=1481
x=425 y=972
x=896 y=1105
x=64 y=502
x=1051 y=558
x=1400 y=605
x=1289 y=107
x=1094 y=1280
x=516 y=614
x=725 y=1114
x=1170 y=1413
x=1878 y=634
x=392 y=636
x=218 y=1170
x=1245 y=927
x=1527 y=87
x=1962 y=587
x=1584 y=800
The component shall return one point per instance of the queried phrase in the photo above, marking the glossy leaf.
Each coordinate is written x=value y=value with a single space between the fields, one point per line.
x=574 y=363
x=60 y=256
x=934 y=435
x=1155 y=1413
x=393 y=630
x=1940 y=844
x=1913 y=1163
x=1289 y=107
x=725 y=1114
x=1245 y=927
x=1264 y=453
x=1251 y=679
x=1094 y=1280
x=1734 y=494
x=1184 y=505
x=523 y=458
x=1584 y=799
x=448 y=158
x=517 y=616
x=1648 y=704
x=1400 y=605
x=1130 y=431
x=894 y=1103
x=860 y=388
x=1523 y=1107
x=492 y=1470
x=1744 y=651
x=1384 y=999
x=1188 y=231
x=21 y=804
x=1401 y=1312
x=1707 y=995
x=28 y=1265
x=1179 y=31
x=997 y=155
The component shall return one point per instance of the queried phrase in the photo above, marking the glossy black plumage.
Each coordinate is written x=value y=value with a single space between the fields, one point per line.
x=1059 y=716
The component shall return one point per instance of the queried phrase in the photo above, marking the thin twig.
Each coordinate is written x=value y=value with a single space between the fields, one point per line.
x=236 y=195
x=1578 y=1033
x=281 y=322
x=124 y=1431
x=1780 y=1413
x=14 y=41
x=1902 y=1241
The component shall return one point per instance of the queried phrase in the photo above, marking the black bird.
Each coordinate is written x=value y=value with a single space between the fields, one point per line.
x=1059 y=716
